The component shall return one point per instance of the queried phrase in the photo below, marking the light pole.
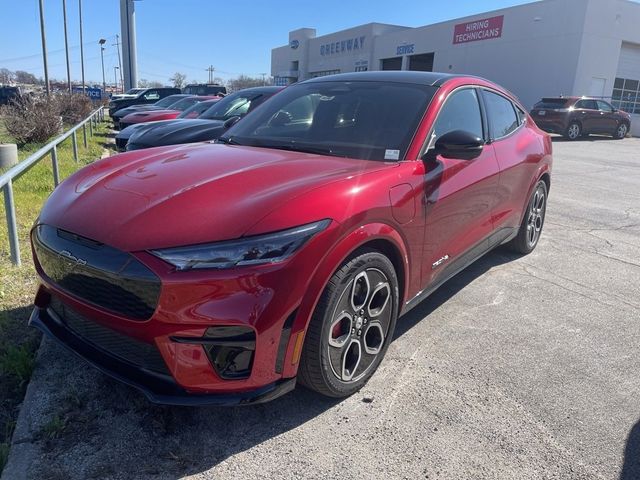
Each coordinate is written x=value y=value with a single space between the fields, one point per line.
x=66 y=42
x=115 y=77
x=44 y=49
x=81 y=46
x=102 y=41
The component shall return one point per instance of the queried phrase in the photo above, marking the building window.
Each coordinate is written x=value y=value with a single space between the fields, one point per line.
x=394 y=63
x=323 y=73
x=626 y=95
x=362 y=68
x=422 y=62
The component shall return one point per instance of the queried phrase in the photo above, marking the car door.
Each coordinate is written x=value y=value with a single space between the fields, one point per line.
x=460 y=194
x=586 y=112
x=517 y=150
x=608 y=122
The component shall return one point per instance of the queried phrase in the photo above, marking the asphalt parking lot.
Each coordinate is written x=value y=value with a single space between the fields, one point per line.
x=517 y=368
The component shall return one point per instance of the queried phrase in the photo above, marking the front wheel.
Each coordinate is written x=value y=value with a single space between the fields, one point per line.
x=351 y=327
x=531 y=226
x=621 y=131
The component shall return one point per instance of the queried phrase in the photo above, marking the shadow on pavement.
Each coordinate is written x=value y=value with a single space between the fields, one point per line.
x=584 y=138
x=148 y=440
x=631 y=465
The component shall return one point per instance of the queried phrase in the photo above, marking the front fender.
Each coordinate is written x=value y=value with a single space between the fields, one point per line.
x=342 y=250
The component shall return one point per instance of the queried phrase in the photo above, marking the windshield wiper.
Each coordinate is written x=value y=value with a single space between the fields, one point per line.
x=296 y=147
x=228 y=141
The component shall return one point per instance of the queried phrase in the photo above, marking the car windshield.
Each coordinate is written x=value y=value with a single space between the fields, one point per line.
x=182 y=105
x=363 y=119
x=552 y=103
x=196 y=110
x=236 y=104
x=168 y=101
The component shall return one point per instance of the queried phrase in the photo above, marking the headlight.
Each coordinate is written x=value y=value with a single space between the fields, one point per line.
x=260 y=249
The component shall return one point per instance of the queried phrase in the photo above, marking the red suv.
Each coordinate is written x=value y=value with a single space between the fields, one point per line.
x=222 y=273
x=576 y=116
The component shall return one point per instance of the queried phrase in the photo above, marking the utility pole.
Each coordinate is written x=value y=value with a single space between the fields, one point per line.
x=66 y=43
x=264 y=82
x=44 y=49
x=101 y=42
x=81 y=46
x=117 y=45
x=211 y=71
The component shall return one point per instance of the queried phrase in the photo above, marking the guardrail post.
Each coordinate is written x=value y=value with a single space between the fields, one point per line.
x=84 y=134
x=91 y=127
x=54 y=161
x=12 y=227
x=74 y=141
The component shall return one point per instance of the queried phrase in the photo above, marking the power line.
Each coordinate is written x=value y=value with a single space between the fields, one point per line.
x=49 y=52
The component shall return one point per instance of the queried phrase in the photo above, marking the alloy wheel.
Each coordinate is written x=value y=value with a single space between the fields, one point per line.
x=360 y=324
x=574 y=131
x=622 y=130
x=535 y=216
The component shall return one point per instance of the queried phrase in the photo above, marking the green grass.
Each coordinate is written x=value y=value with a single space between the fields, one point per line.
x=18 y=343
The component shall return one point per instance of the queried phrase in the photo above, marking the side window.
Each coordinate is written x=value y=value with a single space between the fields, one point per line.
x=604 y=106
x=588 y=104
x=461 y=111
x=152 y=95
x=501 y=113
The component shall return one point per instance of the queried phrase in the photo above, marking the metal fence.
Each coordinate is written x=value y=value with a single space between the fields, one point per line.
x=7 y=178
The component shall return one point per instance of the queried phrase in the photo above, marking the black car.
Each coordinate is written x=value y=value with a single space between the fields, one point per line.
x=208 y=126
x=204 y=89
x=146 y=97
x=166 y=102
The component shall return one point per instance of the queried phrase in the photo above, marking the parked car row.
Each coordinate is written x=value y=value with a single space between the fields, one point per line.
x=162 y=124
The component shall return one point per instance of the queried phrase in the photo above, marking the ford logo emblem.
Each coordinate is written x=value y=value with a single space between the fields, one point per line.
x=294 y=44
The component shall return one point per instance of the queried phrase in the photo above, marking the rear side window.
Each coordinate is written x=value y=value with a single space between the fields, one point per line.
x=589 y=104
x=461 y=111
x=501 y=113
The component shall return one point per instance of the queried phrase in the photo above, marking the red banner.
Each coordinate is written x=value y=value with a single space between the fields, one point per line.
x=478 y=30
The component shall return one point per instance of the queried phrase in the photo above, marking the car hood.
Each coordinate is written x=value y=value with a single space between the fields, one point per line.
x=134 y=108
x=187 y=131
x=188 y=194
x=138 y=127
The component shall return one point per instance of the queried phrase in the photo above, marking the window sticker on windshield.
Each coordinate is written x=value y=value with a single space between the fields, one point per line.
x=391 y=154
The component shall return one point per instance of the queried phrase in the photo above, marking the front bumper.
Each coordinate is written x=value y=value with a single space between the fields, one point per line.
x=158 y=388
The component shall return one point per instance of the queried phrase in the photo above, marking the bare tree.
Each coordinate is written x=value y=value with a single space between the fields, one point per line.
x=143 y=83
x=6 y=75
x=155 y=84
x=178 y=79
x=245 y=81
x=26 y=77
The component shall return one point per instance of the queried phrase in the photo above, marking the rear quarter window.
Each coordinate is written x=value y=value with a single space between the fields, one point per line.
x=501 y=113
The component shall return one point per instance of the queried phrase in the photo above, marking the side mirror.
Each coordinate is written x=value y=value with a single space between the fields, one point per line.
x=457 y=144
x=230 y=122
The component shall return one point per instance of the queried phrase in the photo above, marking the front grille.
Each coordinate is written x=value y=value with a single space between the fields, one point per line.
x=96 y=273
x=126 y=348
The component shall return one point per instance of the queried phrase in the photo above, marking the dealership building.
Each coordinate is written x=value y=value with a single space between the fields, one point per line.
x=544 y=48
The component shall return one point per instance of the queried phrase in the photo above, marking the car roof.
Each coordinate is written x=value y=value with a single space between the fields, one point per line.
x=269 y=89
x=435 y=79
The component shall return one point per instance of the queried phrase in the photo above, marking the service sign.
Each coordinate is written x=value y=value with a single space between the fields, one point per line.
x=478 y=30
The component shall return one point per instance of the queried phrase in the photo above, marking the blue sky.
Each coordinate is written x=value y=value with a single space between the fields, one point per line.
x=188 y=35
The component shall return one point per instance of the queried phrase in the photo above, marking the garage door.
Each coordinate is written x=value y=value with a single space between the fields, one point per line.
x=626 y=89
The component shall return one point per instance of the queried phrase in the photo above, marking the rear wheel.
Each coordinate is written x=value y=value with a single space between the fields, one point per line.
x=621 y=131
x=351 y=327
x=574 y=130
x=533 y=221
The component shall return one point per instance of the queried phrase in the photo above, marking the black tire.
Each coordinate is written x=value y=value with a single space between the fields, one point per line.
x=319 y=357
x=621 y=131
x=573 y=131
x=525 y=242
